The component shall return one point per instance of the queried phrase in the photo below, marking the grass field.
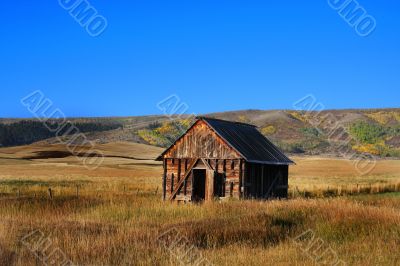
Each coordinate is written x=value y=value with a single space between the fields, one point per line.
x=114 y=215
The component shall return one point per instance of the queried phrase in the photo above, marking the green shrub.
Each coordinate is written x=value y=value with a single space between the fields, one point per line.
x=310 y=132
x=366 y=132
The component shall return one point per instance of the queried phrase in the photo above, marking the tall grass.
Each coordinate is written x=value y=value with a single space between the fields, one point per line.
x=345 y=190
x=120 y=226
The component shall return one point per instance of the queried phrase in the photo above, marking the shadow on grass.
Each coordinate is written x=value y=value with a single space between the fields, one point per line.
x=7 y=257
x=260 y=230
x=60 y=205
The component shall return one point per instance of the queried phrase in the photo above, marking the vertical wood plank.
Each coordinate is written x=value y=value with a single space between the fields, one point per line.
x=210 y=175
x=185 y=182
x=242 y=178
x=164 y=184
x=172 y=182
x=178 y=175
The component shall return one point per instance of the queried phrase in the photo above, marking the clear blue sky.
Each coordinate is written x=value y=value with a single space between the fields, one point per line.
x=216 y=55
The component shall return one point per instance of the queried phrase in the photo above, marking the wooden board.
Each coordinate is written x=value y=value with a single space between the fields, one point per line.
x=201 y=142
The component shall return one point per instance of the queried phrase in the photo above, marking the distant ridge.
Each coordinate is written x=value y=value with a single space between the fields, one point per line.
x=375 y=131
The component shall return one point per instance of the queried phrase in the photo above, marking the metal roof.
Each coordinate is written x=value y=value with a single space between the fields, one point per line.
x=246 y=140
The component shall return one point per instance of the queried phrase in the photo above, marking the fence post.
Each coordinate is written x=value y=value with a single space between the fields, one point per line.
x=50 y=193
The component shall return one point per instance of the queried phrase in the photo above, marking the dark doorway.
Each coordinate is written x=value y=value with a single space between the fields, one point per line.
x=199 y=184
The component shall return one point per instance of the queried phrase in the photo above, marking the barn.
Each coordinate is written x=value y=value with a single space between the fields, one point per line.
x=219 y=159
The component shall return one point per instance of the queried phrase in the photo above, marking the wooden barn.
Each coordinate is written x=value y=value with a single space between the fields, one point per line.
x=217 y=159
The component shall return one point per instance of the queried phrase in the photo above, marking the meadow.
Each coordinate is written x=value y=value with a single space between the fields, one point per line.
x=114 y=215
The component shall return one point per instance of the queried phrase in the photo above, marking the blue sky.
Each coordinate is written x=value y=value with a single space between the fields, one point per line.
x=215 y=55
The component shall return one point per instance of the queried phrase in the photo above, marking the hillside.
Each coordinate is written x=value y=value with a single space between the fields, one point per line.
x=373 y=131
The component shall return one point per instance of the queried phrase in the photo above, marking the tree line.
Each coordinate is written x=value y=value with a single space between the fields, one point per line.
x=27 y=131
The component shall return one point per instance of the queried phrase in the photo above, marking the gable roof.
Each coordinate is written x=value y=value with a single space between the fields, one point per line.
x=246 y=140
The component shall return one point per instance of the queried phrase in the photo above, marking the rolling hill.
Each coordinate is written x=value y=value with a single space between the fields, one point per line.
x=373 y=131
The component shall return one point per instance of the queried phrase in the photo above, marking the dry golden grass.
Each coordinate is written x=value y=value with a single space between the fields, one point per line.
x=319 y=172
x=121 y=228
x=118 y=214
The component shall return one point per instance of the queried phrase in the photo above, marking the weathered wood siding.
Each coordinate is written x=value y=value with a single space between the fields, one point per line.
x=201 y=142
x=227 y=171
x=260 y=181
x=175 y=170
